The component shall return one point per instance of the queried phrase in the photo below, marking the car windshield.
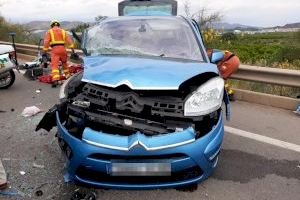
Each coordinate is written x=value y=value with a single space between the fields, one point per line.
x=168 y=37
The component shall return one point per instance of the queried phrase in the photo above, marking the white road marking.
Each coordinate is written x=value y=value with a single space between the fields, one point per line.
x=264 y=139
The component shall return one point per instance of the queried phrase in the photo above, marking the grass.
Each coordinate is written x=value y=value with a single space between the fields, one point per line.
x=277 y=50
x=281 y=50
x=22 y=34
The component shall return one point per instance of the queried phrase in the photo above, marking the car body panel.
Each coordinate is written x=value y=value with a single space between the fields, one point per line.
x=210 y=143
x=5 y=63
x=96 y=151
x=142 y=73
x=124 y=143
x=6 y=49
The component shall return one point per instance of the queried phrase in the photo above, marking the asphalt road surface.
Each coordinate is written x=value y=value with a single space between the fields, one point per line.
x=248 y=169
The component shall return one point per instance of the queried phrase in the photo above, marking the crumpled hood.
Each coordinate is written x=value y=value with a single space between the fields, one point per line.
x=141 y=73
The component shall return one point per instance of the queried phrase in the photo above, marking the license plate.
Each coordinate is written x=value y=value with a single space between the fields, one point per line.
x=140 y=169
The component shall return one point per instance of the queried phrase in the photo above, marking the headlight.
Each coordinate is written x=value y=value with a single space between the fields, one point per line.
x=62 y=92
x=206 y=99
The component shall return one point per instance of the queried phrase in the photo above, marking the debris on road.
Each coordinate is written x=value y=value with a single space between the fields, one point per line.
x=47 y=78
x=31 y=111
x=39 y=193
x=38 y=91
x=22 y=173
x=9 y=193
x=3 y=177
x=297 y=110
x=84 y=196
x=38 y=166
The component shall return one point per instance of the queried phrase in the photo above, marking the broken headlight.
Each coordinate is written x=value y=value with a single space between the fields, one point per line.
x=62 y=92
x=206 y=99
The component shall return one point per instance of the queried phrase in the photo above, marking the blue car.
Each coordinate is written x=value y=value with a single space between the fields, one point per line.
x=147 y=110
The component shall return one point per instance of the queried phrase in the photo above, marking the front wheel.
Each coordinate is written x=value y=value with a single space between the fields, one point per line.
x=7 y=79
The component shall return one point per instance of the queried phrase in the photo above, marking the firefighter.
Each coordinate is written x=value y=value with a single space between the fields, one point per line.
x=227 y=66
x=57 y=39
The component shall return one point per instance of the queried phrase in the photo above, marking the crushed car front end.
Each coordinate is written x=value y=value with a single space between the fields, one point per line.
x=147 y=110
x=167 y=160
x=119 y=137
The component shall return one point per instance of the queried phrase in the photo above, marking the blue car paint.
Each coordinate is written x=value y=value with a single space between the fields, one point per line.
x=198 y=154
x=217 y=56
x=142 y=73
x=122 y=143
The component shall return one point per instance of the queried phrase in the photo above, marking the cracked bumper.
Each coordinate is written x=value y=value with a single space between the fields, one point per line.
x=96 y=152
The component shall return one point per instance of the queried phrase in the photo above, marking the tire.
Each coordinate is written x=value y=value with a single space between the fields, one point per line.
x=12 y=76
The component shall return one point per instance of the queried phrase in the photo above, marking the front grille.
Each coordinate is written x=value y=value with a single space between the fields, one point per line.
x=132 y=102
x=101 y=177
x=151 y=113
x=113 y=123
x=108 y=157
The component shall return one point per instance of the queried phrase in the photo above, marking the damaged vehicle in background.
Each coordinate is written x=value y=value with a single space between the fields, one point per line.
x=8 y=62
x=147 y=110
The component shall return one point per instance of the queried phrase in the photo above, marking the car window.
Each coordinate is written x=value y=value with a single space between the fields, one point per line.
x=163 y=37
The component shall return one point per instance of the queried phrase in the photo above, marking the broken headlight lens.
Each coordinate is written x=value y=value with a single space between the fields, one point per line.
x=206 y=99
x=63 y=92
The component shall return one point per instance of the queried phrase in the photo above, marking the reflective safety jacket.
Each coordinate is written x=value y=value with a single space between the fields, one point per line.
x=57 y=36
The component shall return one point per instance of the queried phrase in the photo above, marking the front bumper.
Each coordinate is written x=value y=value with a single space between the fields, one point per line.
x=90 y=159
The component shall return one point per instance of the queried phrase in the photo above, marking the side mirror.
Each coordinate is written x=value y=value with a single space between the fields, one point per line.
x=216 y=56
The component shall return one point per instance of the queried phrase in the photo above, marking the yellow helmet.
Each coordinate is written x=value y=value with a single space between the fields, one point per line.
x=54 y=23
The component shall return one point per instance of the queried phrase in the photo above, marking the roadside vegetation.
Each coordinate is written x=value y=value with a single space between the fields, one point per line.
x=277 y=50
x=280 y=50
x=22 y=34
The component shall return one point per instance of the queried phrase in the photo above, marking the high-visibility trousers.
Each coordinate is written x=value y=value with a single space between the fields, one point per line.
x=59 y=53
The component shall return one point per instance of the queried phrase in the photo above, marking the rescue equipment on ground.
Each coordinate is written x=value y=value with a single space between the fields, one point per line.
x=73 y=69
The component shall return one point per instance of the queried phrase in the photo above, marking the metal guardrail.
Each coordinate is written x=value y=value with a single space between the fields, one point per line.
x=31 y=49
x=275 y=76
x=283 y=77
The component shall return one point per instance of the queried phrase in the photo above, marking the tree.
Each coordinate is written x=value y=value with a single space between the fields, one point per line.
x=229 y=36
x=202 y=16
x=81 y=27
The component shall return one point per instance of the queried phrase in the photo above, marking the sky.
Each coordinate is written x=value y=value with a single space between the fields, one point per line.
x=252 y=12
